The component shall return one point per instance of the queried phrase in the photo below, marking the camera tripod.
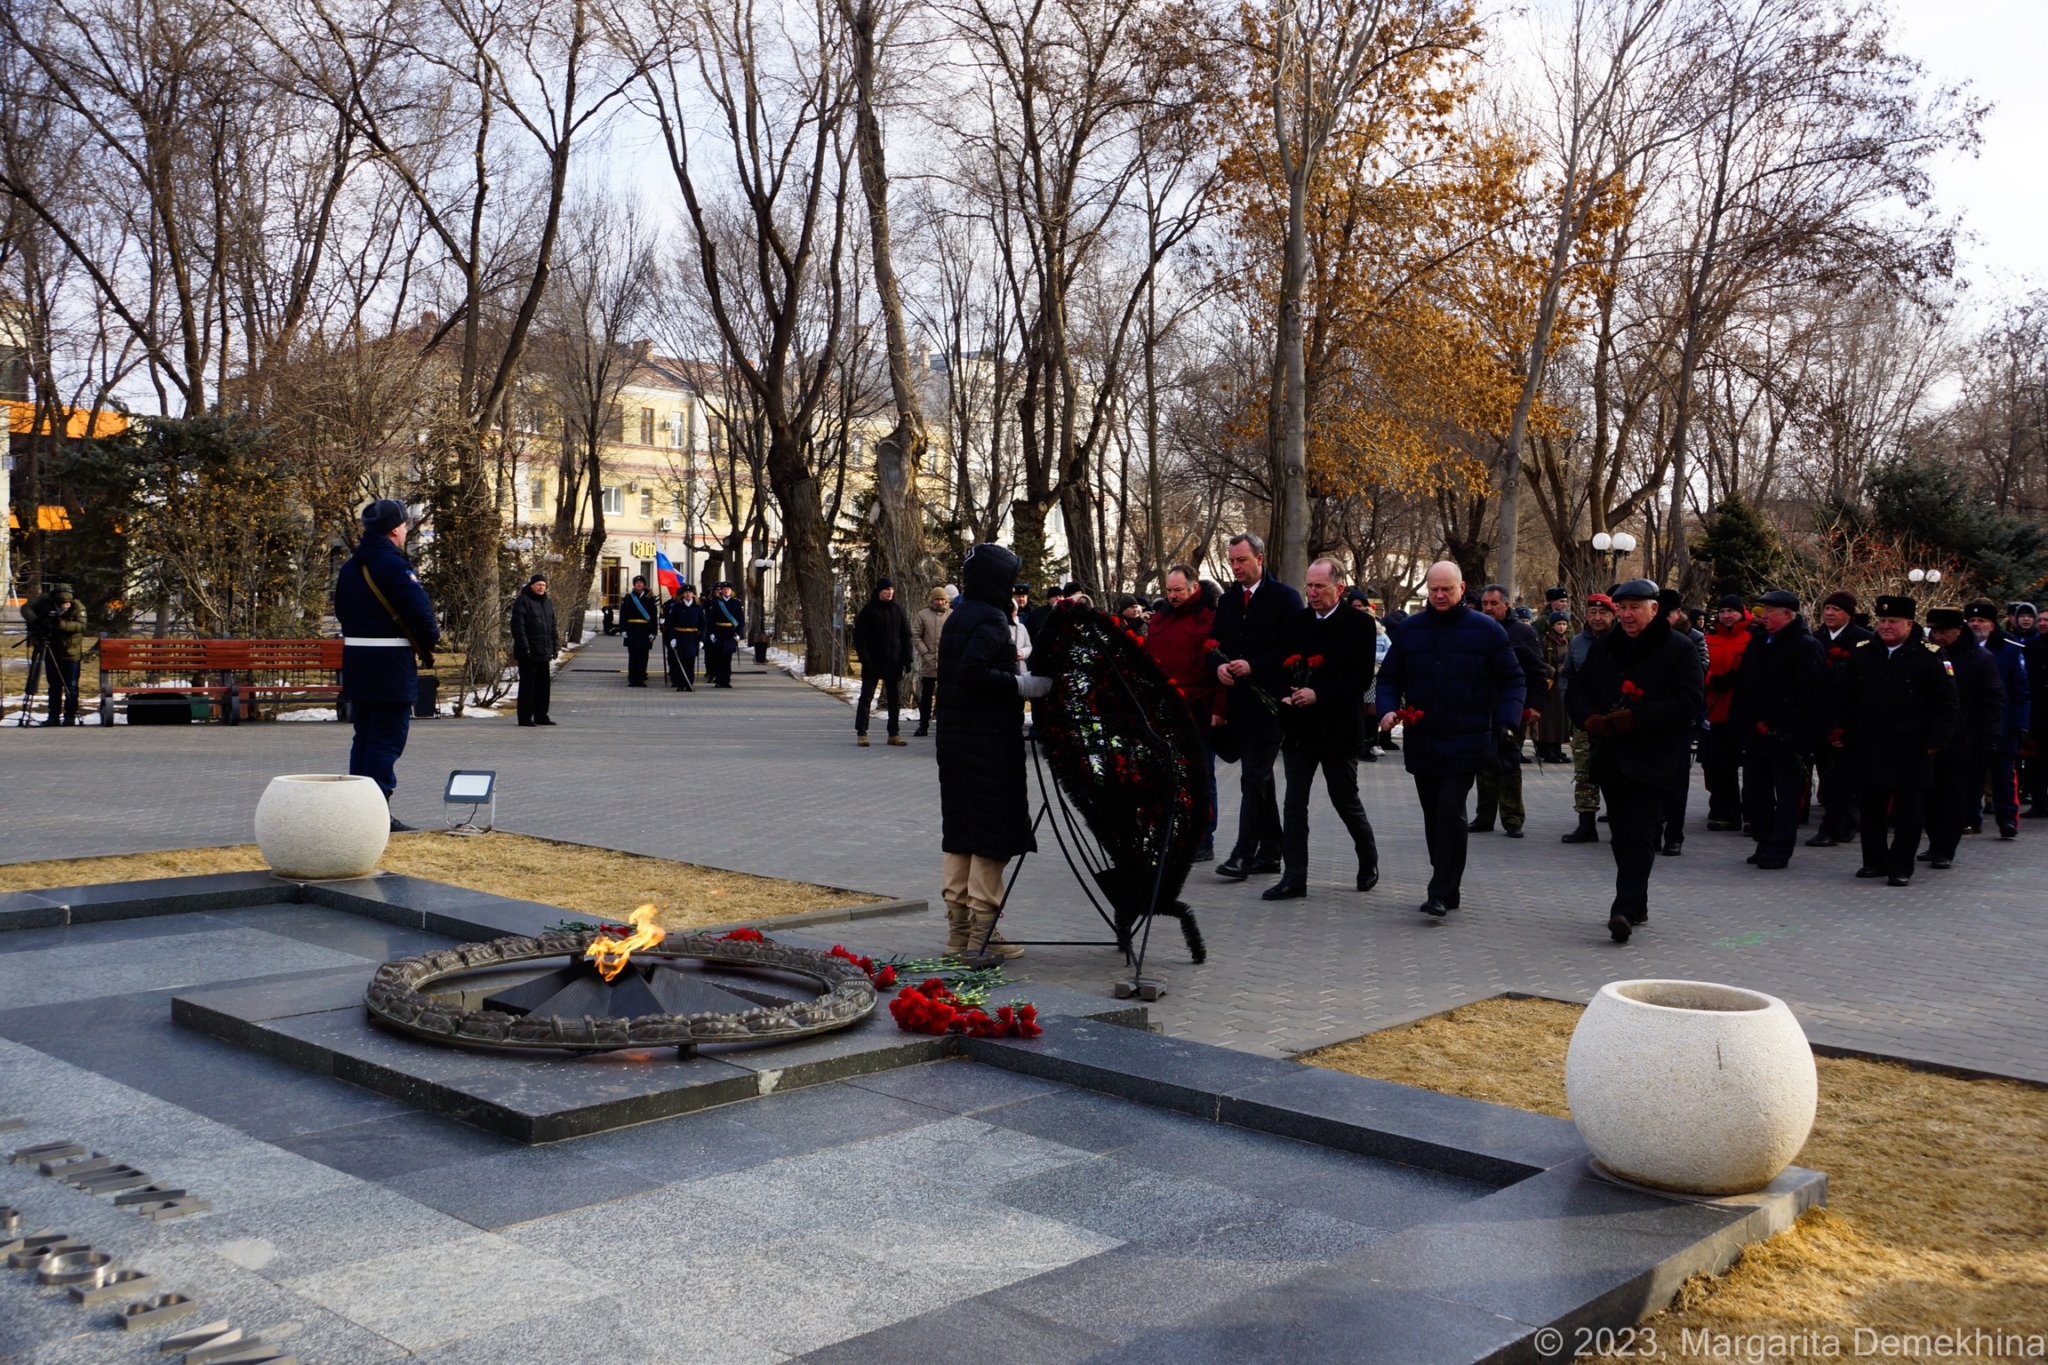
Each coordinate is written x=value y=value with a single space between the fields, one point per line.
x=40 y=656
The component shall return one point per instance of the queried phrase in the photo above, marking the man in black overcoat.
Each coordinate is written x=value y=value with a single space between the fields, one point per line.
x=1776 y=717
x=1896 y=709
x=1500 y=784
x=881 y=638
x=638 y=619
x=1838 y=636
x=1247 y=628
x=1324 y=665
x=984 y=804
x=1638 y=695
x=1958 y=785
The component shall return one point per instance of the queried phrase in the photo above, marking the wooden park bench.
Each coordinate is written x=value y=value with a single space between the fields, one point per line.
x=231 y=675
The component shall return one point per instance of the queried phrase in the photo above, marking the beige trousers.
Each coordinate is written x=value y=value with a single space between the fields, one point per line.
x=974 y=881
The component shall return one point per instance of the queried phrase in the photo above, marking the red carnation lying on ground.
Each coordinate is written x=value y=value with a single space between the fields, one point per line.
x=931 y=1008
x=882 y=977
x=743 y=936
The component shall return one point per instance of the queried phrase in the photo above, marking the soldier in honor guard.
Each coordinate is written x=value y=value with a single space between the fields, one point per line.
x=388 y=629
x=725 y=625
x=638 y=616
x=1896 y=711
x=682 y=622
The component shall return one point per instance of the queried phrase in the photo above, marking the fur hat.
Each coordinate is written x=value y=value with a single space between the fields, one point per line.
x=1904 y=608
x=1842 y=598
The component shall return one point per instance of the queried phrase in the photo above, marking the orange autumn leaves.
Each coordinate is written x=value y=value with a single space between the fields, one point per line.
x=1426 y=247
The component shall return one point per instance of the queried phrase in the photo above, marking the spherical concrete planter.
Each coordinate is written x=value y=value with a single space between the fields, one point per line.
x=1690 y=1086
x=319 y=826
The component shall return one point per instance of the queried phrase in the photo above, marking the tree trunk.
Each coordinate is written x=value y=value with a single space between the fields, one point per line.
x=1288 y=545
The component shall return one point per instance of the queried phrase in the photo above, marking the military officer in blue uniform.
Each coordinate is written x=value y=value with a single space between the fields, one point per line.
x=387 y=627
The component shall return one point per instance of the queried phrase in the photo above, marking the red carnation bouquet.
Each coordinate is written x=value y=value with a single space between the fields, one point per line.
x=1630 y=692
x=882 y=977
x=931 y=1008
x=1409 y=715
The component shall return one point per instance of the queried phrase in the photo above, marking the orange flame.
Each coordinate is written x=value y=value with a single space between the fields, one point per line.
x=610 y=954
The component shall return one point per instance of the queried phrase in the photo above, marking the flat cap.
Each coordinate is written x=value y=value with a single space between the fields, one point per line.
x=1636 y=590
x=1779 y=597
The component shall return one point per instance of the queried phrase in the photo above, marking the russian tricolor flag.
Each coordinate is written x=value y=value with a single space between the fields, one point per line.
x=665 y=573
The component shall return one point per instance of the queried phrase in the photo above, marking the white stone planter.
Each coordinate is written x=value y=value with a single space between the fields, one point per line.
x=322 y=825
x=1690 y=1086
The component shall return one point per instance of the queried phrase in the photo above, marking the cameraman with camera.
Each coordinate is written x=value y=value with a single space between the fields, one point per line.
x=57 y=639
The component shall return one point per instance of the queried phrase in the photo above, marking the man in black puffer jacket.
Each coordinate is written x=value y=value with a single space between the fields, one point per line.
x=881 y=637
x=1637 y=695
x=984 y=803
x=1780 y=695
x=535 y=642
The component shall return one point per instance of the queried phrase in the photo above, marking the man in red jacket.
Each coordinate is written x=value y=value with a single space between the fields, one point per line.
x=1721 y=752
x=1178 y=641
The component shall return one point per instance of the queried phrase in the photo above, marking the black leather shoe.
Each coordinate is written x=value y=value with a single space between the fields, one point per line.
x=1205 y=854
x=1898 y=881
x=1586 y=833
x=1480 y=827
x=1618 y=927
x=1941 y=864
x=1822 y=841
x=1771 y=864
x=1870 y=872
x=398 y=826
x=1435 y=907
x=1284 y=890
x=1232 y=869
x=1672 y=848
x=1723 y=826
x=1368 y=879
x=2008 y=831
x=1262 y=867
x=1924 y=858
x=543 y=721
x=1639 y=918
x=1511 y=831
x=1753 y=859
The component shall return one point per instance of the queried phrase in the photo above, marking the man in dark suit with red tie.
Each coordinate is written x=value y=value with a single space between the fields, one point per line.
x=1249 y=617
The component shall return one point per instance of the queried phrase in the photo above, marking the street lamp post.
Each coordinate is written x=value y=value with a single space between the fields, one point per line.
x=1615 y=547
x=1930 y=577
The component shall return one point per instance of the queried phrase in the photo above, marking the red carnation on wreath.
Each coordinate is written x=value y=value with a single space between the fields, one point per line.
x=881 y=977
x=743 y=936
x=1630 y=692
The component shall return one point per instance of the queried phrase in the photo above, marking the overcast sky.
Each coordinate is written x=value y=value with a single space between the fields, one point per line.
x=1997 y=46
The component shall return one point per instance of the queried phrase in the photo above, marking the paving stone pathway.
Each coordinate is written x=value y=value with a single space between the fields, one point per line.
x=765 y=778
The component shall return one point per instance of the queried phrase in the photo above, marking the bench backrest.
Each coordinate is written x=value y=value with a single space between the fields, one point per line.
x=190 y=656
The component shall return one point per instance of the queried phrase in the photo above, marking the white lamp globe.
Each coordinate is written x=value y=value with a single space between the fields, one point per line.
x=1624 y=542
x=1601 y=540
x=1934 y=575
x=1916 y=575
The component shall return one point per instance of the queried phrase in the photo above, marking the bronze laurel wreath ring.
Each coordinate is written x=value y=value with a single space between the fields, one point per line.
x=397 y=996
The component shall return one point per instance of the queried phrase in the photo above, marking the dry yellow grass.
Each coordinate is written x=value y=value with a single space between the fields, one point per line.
x=1938 y=1204
x=577 y=877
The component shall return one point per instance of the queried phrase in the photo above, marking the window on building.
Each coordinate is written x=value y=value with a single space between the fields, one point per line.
x=540 y=495
x=678 y=428
x=615 y=501
x=647 y=426
x=615 y=424
x=857 y=452
x=716 y=429
x=647 y=502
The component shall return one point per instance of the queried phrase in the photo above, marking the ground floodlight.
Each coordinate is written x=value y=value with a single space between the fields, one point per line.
x=472 y=787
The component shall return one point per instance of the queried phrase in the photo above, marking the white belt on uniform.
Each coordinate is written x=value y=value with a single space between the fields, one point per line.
x=376 y=642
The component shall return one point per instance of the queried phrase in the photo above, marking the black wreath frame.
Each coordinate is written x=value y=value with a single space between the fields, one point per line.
x=1128 y=754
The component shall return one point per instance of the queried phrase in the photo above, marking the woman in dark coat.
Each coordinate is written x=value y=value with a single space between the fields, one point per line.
x=535 y=642
x=984 y=802
x=1637 y=694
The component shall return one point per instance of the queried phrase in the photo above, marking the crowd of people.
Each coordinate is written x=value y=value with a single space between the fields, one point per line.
x=1876 y=728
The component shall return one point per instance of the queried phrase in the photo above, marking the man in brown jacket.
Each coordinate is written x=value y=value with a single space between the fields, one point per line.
x=924 y=638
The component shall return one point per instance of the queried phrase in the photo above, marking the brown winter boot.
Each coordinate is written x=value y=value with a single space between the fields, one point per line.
x=981 y=930
x=957 y=919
